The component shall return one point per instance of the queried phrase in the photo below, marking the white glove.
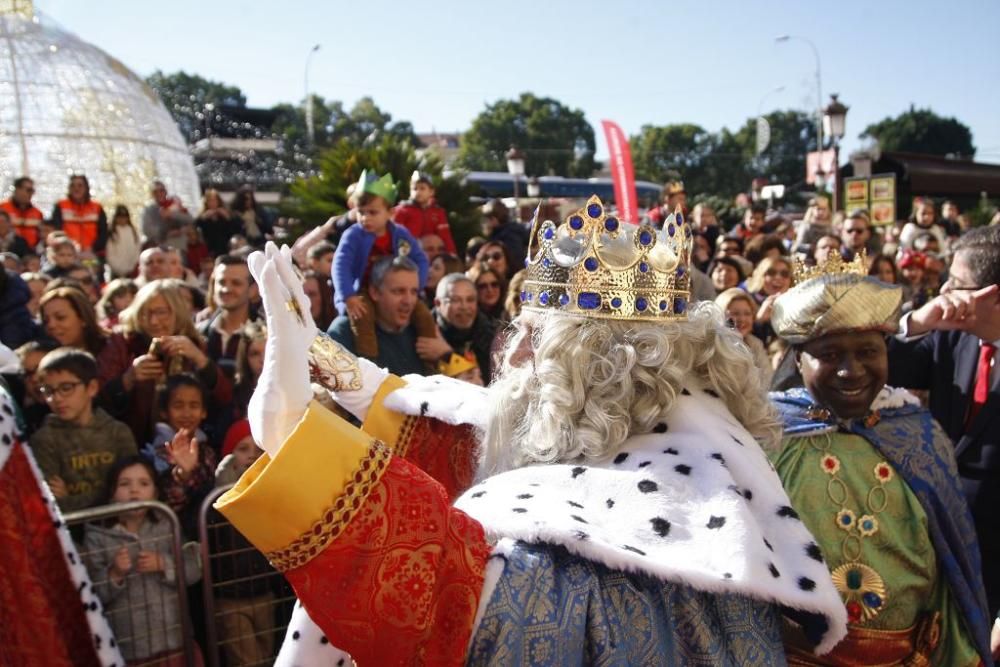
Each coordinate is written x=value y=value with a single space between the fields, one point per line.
x=283 y=391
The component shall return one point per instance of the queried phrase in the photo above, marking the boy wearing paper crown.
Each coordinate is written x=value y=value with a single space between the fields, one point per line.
x=874 y=478
x=625 y=512
x=374 y=237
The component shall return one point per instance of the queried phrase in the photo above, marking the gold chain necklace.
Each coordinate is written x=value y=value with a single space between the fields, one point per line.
x=862 y=588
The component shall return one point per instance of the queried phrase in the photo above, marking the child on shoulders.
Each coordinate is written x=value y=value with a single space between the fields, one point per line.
x=362 y=245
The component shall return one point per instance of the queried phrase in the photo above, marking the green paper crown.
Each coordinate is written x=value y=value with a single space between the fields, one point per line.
x=380 y=187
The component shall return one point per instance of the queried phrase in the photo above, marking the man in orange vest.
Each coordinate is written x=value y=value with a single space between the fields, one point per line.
x=81 y=218
x=24 y=216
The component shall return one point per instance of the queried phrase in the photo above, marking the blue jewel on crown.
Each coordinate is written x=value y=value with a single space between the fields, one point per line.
x=594 y=264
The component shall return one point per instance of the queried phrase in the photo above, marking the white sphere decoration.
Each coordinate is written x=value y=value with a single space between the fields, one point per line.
x=67 y=107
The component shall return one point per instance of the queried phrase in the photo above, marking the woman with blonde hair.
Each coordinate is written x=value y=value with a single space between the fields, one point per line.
x=161 y=340
x=771 y=278
x=739 y=310
x=491 y=292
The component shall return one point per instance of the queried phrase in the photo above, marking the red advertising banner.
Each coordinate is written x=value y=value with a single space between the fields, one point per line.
x=621 y=171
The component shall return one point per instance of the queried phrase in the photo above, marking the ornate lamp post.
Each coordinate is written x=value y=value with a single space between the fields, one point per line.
x=834 y=124
x=515 y=167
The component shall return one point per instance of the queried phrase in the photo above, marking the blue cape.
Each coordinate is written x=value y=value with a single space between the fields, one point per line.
x=910 y=439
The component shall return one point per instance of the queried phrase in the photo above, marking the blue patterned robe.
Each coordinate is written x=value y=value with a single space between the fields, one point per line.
x=553 y=608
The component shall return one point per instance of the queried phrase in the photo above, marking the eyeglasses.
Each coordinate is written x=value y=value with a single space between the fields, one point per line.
x=784 y=273
x=63 y=389
x=960 y=288
x=493 y=256
x=486 y=286
x=158 y=313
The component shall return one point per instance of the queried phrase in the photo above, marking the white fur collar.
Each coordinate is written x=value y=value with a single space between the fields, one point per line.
x=893 y=397
x=440 y=397
x=696 y=502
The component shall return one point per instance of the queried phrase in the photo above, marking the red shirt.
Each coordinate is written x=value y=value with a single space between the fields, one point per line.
x=381 y=248
x=422 y=221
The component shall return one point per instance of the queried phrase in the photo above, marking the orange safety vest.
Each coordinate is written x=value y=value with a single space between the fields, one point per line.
x=24 y=221
x=79 y=221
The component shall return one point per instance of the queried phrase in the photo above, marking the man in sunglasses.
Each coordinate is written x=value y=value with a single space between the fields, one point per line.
x=24 y=216
x=855 y=234
x=949 y=347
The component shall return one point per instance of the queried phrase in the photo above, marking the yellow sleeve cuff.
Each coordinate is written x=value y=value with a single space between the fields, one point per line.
x=279 y=501
x=384 y=424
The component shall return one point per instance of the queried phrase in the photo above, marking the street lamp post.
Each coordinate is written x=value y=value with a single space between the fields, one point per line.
x=819 y=93
x=834 y=124
x=310 y=128
x=534 y=188
x=515 y=167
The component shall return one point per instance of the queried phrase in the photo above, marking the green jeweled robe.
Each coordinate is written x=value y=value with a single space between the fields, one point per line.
x=900 y=551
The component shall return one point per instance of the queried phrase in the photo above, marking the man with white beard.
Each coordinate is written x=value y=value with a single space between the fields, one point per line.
x=624 y=511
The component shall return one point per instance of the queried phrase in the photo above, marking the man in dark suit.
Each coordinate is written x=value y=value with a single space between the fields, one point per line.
x=949 y=347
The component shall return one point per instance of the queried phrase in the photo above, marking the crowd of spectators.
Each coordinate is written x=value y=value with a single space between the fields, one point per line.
x=135 y=349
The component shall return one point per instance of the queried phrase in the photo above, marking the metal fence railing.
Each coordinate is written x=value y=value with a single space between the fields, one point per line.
x=140 y=570
x=247 y=602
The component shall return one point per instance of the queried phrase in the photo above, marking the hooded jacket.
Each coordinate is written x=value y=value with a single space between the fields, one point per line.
x=144 y=610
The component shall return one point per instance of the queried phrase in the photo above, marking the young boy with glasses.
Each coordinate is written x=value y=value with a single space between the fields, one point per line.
x=77 y=444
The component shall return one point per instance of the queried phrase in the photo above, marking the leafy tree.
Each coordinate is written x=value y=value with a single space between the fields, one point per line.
x=665 y=152
x=316 y=198
x=186 y=95
x=723 y=163
x=554 y=138
x=922 y=131
x=331 y=122
x=793 y=134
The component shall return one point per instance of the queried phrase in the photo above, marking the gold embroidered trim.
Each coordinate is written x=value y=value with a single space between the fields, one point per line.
x=326 y=529
x=405 y=435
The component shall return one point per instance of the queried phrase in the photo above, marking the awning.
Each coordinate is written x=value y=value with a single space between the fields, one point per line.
x=939 y=176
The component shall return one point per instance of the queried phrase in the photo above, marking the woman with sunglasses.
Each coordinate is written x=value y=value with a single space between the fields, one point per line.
x=491 y=290
x=496 y=256
x=772 y=277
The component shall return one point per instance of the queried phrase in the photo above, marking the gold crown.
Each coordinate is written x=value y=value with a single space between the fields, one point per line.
x=595 y=265
x=834 y=264
x=457 y=364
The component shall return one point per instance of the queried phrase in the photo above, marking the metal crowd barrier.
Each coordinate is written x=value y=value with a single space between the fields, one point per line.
x=132 y=606
x=247 y=603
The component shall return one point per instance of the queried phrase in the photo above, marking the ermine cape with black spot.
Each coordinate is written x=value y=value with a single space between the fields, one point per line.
x=696 y=503
x=914 y=444
x=49 y=611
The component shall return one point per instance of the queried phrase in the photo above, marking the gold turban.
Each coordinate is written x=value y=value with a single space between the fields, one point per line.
x=836 y=302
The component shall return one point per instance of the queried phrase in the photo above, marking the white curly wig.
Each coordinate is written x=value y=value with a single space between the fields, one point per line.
x=574 y=388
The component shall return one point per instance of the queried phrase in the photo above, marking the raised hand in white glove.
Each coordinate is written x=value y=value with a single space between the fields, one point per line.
x=283 y=391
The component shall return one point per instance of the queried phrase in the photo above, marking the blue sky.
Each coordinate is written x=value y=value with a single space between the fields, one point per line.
x=437 y=64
